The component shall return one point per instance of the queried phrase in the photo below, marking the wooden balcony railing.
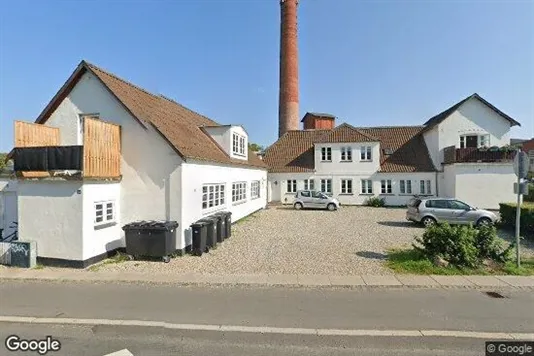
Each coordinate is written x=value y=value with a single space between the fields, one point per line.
x=452 y=154
x=38 y=151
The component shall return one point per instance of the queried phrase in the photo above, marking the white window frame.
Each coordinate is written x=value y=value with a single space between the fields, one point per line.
x=346 y=154
x=425 y=187
x=309 y=184
x=366 y=186
x=239 y=192
x=291 y=186
x=405 y=186
x=103 y=213
x=214 y=194
x=326 y=154
x=346 y=186
x=326 y=186
x=238 y=144
x=482 y=140
x=366 y=153
x=386 y=186
x=255 y=189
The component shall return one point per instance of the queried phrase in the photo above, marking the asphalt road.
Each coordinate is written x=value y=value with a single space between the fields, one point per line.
x=368 y=309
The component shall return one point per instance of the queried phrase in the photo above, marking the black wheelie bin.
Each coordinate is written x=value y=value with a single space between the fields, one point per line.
x=200 y=232
x=211 y=236
x=221 y=228
x=151 y=239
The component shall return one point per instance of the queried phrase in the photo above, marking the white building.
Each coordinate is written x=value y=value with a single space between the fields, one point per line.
x=175 y=164
x=454 y=154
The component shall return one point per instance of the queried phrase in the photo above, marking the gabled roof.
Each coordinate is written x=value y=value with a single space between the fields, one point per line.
x=318 y=114
x=178 y=125
x=294 y=151
x=443 y=115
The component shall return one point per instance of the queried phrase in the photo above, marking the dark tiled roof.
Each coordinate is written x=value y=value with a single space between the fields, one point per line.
x=318 y=114
x=443 y=115
x=180 y=126
x=294 y=151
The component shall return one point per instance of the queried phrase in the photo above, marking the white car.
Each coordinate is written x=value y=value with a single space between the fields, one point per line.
x=314 y=199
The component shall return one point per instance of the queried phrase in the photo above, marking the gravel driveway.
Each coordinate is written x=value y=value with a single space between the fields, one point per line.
x=280 y=240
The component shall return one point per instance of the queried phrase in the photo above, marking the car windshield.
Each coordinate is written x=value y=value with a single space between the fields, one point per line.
x=455 y=204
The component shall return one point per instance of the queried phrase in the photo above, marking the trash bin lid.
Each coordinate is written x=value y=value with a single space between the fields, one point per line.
x=151 y=225
x=200 y=223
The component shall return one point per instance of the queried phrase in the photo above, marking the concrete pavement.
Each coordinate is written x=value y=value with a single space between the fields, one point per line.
x=411 y=281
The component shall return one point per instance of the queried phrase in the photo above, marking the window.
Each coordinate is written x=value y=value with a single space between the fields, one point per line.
x=291 y=186
x=255 y=189
x=424 y=187
x=309 y=184
x=238 y=144
x=406 y=186
x=438 y=204
x=366 y=153
x=305 y=194
x=104 y=212
x=318 y=195
x=458 y=205
x=326 y=186
x=239 y=192
x=386 y=186
x=326 y=153
x=212 y=195
x=346 y=154
x=367 y=186
x=483 y=140
x=346 y=186
x=474 y=141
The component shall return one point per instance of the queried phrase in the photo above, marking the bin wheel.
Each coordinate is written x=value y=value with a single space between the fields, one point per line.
x=166 y=259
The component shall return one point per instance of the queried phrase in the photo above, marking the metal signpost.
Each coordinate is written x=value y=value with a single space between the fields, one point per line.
x=521 y=166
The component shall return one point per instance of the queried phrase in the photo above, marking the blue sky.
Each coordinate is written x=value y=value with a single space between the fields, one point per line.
x=367 y=62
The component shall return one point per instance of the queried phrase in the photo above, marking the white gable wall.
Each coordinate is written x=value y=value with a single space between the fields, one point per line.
x=196 y=174
x=432 y=143
x=473 y=117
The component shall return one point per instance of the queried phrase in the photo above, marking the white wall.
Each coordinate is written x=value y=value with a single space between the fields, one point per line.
x=432 y=143
x=356 y=198
x=195 y=174
x=8 y=205
x=98 y=240
x=483 y=185
x=337 y=166
x=151 y=177
x=50 y=213
x=473 y=117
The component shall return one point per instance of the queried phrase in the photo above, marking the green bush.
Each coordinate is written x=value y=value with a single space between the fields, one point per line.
x=530 y=196
x=375 y=202
x=508 y=215
x=462 y=246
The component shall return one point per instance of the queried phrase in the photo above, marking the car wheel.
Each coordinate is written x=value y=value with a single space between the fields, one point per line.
x=331 y=207
x=298 y=206
x=428 y=221
x=484 y=222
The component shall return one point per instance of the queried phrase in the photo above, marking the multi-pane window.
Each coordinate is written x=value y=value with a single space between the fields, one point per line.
x=474 y=141
x=326 y=153
x=291 y=186
x=238 y=144
x=212 y=195
x=346 y=154
x=346 y=186
x=309 y=184
x=255 y=189
x=104 y=212
x=366 y=153
x=385 y=185
x=239 y=192
x=367 y=186
x=326 y=186
x=405 y=186
x=425 y=188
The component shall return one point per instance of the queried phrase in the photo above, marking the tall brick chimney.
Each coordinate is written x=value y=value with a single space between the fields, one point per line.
x=288 y=106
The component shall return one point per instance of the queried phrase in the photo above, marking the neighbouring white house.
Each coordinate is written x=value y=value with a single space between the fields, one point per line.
x=141 y=156
x=458 y=153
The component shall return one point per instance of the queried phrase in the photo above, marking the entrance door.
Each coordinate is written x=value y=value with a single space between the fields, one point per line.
x=471 y=141
x=8 y=212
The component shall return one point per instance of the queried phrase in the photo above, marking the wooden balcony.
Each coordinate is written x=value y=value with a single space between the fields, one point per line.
x=38 y=153
x=474 y=155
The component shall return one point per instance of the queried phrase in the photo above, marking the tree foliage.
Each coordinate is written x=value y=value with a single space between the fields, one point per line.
x=255 y=147
x=3 y=160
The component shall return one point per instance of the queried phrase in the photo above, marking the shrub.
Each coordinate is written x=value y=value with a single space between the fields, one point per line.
x=462 y=246
x=530 y=196
x=507 y=212
x=375 y=202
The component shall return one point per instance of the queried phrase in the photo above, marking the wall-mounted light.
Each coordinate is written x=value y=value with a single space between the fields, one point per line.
x=275 y=182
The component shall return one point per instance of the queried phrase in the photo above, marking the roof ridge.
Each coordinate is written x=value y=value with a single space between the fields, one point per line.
x=345 y=124
x=93 y=67
x=389 y=127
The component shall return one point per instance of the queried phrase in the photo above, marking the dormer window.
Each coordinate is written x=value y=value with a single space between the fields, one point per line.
x=238 y=144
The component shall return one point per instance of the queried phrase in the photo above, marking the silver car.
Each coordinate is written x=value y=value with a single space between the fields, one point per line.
x=314 y=199
x=453 y=211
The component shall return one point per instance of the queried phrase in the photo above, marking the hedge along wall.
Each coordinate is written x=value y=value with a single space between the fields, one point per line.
x=508 y=210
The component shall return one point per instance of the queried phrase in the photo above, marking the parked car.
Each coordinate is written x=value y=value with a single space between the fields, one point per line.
x=314 y=199
x=453 y=211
